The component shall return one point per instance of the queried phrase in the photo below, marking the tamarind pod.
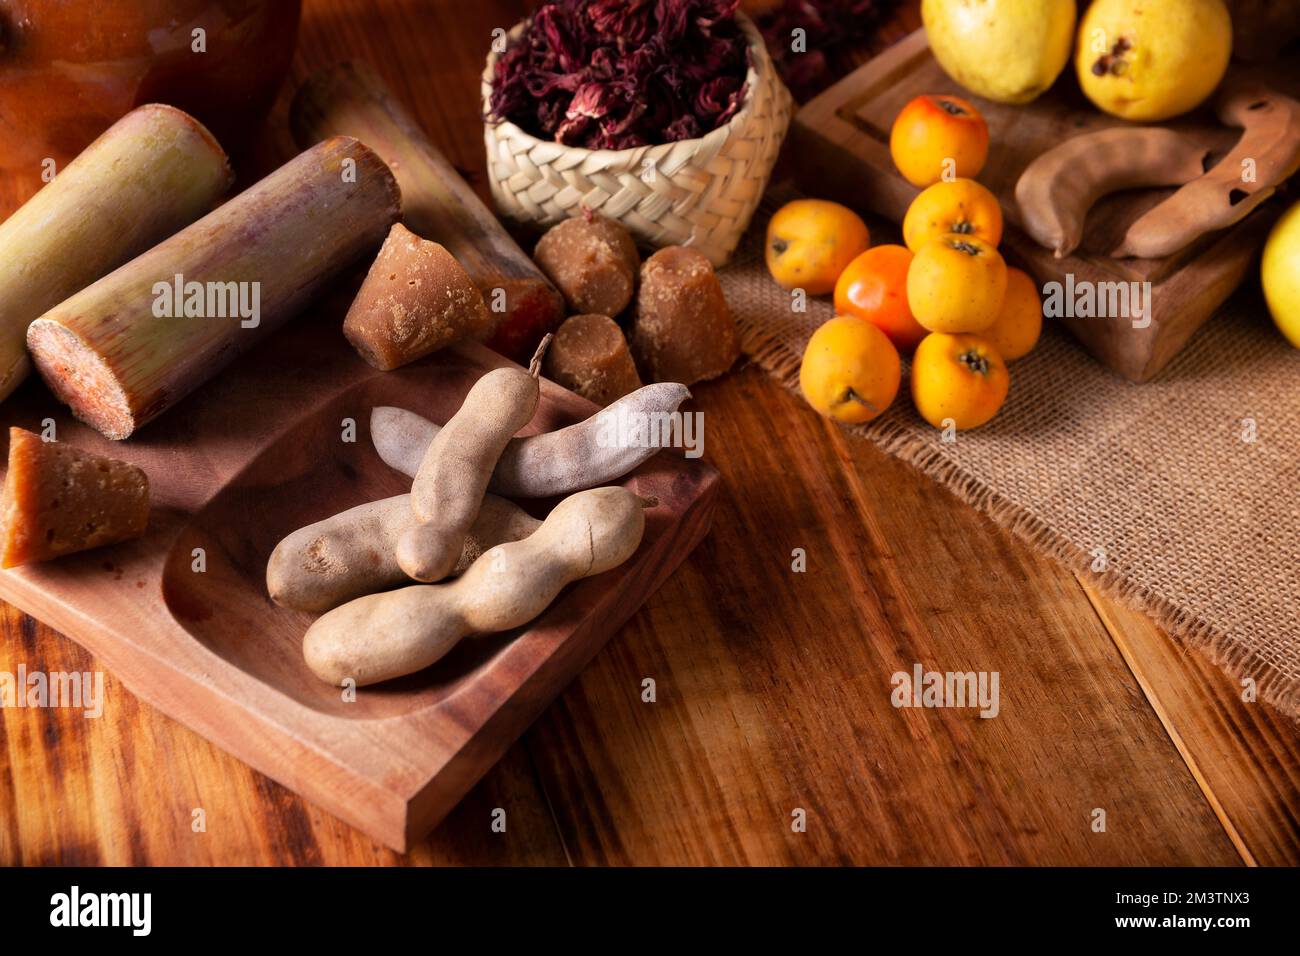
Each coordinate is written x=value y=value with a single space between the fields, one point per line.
x=1058 y=188
x=120 y=352
x=351 y=99
x=1225 y=195
x=453 y=476
x=153 y=171
x=382 y=636
x=351 y=553
x=539 y=466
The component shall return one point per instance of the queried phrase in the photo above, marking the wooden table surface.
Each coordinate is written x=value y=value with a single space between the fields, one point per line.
x=772 y=687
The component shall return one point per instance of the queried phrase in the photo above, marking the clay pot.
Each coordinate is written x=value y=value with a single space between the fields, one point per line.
x=70 y=68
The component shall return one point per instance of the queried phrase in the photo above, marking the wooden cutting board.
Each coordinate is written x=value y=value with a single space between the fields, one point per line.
x=260 y=451
x=840 y=145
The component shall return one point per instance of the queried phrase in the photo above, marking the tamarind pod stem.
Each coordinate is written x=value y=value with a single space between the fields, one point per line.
x=539 y=466
x=352 y=554
x=350 y=99
x=109 y=353
x=152 y=172
x=382 y=636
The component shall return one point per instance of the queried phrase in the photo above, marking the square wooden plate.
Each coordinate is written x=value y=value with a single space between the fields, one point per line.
x=183 y=618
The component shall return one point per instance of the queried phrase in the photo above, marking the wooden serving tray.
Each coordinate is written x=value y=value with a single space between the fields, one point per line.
x=840 y=145
x=258 y=452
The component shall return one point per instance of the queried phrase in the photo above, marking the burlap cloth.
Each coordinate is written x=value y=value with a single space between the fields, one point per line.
x=1154 y=482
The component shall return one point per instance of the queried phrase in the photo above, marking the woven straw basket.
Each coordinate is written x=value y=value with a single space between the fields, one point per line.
x=696 y=192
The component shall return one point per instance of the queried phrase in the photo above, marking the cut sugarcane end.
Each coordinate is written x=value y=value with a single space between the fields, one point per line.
x=80 y=379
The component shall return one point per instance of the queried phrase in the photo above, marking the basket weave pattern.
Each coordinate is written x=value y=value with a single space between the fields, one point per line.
x=697 y=192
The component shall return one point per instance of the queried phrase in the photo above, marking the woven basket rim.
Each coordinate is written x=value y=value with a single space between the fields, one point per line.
x=761 y=69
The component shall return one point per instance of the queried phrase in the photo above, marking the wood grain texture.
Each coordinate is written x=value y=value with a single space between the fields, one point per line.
x=121 y=790
x=841 y=144
x=1244 y=755
x=769 y=684
x=774 y=693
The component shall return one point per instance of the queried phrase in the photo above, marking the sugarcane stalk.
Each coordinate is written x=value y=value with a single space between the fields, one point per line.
x=349 y=99
x=127 y=348
x=152 y=172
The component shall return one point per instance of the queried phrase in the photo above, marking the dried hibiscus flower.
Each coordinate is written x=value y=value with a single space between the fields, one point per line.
x=612 y=74
x=830 y=28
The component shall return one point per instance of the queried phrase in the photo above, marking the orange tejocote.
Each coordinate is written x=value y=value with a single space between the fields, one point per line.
x=937 y=137
x=959 y=380
x=956 y=284
x=874 y=288
x=850 y=370
x=959 y=207
x=810 y=241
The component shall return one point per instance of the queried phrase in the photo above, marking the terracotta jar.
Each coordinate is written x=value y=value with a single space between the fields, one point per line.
x=70 y=68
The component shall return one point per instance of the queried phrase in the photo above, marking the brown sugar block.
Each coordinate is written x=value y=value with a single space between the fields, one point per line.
x=58 y=500
x=593 y=261
x=415 y=300
x=590 y=356
x=684 y=331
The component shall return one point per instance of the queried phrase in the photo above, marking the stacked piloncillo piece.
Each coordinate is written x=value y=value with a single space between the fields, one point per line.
x=681 y=328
